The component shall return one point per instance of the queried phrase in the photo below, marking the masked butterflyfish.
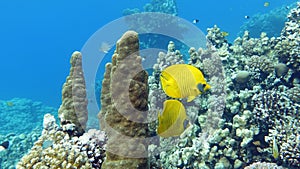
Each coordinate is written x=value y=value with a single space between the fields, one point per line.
x=173 y=119
x=183 y=80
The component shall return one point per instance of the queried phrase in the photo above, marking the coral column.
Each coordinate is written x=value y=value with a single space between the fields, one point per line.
x=124 y=99
x=73 y=112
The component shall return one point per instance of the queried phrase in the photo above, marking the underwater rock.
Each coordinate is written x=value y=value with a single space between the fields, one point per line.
x=242 y=76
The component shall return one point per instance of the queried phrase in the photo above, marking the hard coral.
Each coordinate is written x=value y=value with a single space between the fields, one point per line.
x=287 y=48
x=124 y=99
x=61 y=153
x=278 y=116
x=264 y=165
x=73 y=110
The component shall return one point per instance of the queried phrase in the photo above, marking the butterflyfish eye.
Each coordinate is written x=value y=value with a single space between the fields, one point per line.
x=201 y=87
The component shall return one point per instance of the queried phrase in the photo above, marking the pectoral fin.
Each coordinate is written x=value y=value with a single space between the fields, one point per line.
x=191 y=98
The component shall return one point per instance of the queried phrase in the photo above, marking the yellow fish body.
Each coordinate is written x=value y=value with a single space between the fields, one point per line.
x=172 y=119
x=9 y=103
x=275 y=148
x=266 y=4
x=224 y=33
x=183 y=80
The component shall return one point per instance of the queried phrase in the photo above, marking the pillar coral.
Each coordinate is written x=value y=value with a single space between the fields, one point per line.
x=73 y=112
x=124 y=100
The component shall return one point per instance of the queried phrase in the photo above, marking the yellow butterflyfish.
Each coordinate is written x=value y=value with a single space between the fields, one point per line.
x=172 y=120
x=183 y=81
x=9 y=103
x=224 y=33
x=275 y=148
x=266 y=4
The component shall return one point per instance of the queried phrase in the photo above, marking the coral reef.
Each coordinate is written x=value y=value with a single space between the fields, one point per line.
x=271 y=23
x=19 y=145
x=56 y=149
x=73 y=110
x=164 y=6
x=277 y=115
x=156 y=94
x=263 y=165
x=124 y=100
x=17 y=113
x=249 y=118
x=287 y=48
x=262 y=104
x=216 y=37
x=68 y=145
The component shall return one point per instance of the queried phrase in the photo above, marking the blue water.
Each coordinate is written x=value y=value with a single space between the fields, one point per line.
x=38 y=37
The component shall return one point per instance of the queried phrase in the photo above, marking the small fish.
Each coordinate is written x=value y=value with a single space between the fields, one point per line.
x=275 y=149
x=9 y=103
x=47 y=143
x=247 y=17
x=195 y=21
x=183 y=81
x=173 y=119
x=4 y=145
x=224 y=33
x=105 y=47
x=266 y=4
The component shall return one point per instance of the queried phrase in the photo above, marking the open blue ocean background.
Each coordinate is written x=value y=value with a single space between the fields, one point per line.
x=38 y=37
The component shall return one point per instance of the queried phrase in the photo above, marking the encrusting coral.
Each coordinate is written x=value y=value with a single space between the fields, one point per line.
x=73 y=112
x=124 y=100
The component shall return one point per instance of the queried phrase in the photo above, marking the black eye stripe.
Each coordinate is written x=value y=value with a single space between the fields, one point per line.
x=201 y=87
